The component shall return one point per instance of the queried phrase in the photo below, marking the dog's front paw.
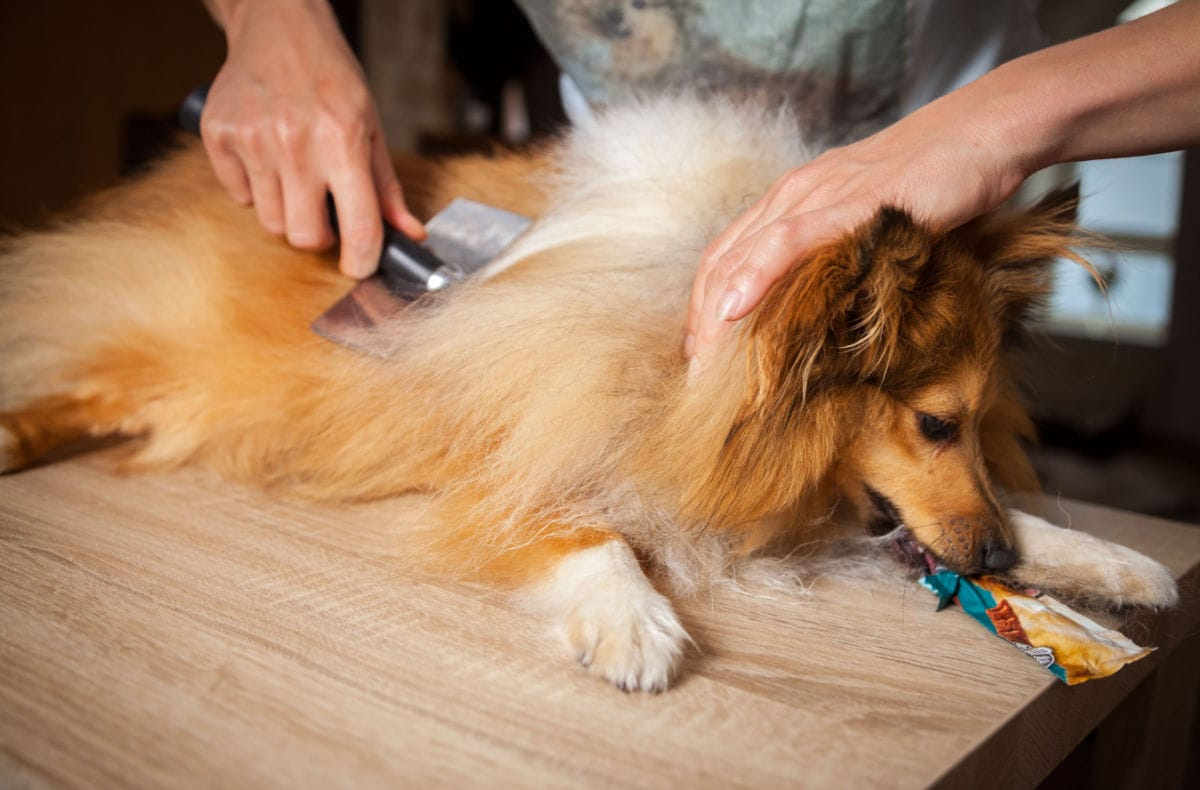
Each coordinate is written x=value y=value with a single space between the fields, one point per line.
x=1144 y=582
x=615 y=622
x=634 y=643
x=1075 y=564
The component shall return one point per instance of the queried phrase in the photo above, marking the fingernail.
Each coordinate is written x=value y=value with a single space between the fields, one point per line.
x=729 y=303
x=689 y=345
x=419 y=233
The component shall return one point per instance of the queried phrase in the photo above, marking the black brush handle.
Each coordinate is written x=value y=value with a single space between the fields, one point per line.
x=401 y=257
x=192 y=108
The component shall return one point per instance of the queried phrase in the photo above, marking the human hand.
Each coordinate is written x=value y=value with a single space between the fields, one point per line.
x=941 y=165
x=289 y=117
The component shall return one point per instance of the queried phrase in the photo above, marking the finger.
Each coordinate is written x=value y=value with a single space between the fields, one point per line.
x=749 y=270
x=391 y=197
x=712 y=255
x=784 y=197
x=776 y=250
x=228 y=169
x=695 y=307
x=717 y=271
x=305 y=214
x=787 y=196
x=736 y=289
x=708 y=327
x=360 y=225
x=267 y=196
x=739 y=228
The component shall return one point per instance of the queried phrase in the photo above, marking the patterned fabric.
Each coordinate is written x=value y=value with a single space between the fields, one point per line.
x=847 y=67
x=840 y=62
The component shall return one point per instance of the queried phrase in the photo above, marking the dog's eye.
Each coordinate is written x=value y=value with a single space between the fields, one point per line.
x=937 y=430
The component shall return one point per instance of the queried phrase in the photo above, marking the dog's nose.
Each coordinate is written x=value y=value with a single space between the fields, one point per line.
x=998 y=557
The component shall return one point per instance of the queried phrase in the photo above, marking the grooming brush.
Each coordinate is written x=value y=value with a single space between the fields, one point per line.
x=463 y=238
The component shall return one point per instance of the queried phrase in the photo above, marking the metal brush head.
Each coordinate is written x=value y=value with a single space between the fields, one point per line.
x=464 y=237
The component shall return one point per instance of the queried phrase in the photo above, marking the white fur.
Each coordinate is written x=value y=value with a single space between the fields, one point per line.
x=670 y=170
x=615 y=622
x=1054 y=558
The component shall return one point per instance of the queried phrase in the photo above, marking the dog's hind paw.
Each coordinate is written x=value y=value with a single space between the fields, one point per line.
x=618 y=626
x=1075 y=564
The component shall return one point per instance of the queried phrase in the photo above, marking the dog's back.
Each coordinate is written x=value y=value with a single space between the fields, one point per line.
x=163 y=311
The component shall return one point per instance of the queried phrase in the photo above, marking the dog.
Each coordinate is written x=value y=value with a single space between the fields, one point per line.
x=549 y=406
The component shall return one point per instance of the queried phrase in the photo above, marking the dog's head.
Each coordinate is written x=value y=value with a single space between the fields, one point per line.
x=880 y=365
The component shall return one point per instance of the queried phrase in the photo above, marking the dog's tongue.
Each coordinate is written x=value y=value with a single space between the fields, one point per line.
x=913 y=554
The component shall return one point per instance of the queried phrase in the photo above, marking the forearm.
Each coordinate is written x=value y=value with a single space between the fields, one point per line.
x=1129 y=90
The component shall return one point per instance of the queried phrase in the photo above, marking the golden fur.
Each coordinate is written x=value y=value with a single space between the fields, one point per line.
x=550 y=405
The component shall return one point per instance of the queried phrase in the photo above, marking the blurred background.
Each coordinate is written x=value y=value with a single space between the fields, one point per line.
x=89 y=92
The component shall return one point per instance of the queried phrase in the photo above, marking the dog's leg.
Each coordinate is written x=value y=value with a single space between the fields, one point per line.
x=1080 y=565
x=51 y=423
x=588 y=582
x=615 y=622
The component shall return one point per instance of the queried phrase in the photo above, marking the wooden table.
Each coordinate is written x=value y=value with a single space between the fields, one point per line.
x=175 y=630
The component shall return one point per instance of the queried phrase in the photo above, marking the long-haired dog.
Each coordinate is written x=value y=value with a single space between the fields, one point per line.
x=550 y=406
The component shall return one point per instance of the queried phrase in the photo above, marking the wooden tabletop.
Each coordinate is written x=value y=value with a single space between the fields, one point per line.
x=175 y=630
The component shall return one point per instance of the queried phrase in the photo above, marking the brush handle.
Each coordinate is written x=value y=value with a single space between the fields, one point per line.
x=192 y=108
x=401 y=258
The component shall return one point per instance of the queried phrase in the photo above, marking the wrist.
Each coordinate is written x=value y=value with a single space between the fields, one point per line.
x=1023 y=121
x=237 y=17
x=984 y=131
x=1018 y=118
x=1037 y=107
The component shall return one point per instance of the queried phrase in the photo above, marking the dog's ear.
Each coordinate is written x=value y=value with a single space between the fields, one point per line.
x=1017 y=250
x=1060 y=205
x=839 y=313
x=835 y=318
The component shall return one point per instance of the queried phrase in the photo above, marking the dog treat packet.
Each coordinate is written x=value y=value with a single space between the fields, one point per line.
x=1074 y=648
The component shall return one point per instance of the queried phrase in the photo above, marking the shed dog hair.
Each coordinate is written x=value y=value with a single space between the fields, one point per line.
x=549 y=406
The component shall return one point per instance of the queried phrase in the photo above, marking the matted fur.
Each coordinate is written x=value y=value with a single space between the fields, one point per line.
x=549 y=405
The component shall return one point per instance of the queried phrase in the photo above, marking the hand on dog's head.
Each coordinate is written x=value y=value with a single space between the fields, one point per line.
x=881 y=363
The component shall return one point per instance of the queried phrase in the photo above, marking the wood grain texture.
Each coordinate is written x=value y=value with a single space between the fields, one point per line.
x=174 y=630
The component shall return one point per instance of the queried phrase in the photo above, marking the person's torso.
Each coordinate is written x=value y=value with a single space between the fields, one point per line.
x=848 y=67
